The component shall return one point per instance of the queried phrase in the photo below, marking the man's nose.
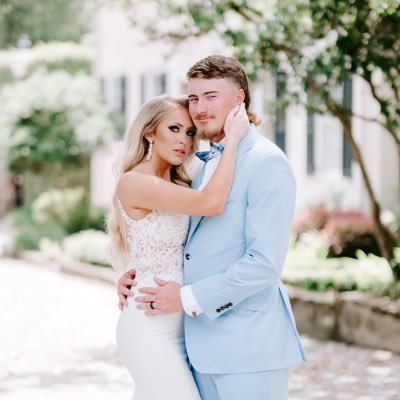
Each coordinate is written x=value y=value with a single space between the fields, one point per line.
x=201 y=106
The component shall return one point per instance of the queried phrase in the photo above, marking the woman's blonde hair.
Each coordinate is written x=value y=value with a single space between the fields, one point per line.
x=134 y=149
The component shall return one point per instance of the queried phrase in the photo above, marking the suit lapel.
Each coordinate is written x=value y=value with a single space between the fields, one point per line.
x=244 y=146
x=194 y=220
x=197 y=181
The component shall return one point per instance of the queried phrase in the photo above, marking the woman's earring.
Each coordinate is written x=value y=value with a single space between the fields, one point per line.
x=149 y=151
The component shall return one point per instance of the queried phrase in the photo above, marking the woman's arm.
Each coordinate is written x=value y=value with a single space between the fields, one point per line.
x=139 y=190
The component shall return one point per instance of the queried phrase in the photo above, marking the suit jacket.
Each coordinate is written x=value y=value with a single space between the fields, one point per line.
x=233 y=263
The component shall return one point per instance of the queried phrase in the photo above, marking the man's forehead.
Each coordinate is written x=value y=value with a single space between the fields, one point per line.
x=198 y=86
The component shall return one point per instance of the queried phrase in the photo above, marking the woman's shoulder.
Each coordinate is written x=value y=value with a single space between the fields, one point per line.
x=137 y=172
x=134 y=177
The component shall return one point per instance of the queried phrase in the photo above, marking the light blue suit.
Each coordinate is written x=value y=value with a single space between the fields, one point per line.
x=233 y=263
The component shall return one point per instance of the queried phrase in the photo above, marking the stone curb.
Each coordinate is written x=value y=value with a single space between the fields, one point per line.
x=70 y=266
x=351 y=317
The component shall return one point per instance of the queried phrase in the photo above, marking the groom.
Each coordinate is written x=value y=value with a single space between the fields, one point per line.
x=240 y=332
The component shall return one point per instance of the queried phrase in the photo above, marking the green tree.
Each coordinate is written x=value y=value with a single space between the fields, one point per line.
x=51 y=133
x=320 y=44
x=44 y=20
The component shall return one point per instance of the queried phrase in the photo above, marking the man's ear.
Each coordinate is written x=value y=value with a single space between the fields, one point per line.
x=240 y=97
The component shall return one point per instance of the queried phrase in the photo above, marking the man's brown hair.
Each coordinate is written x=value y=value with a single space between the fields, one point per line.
x=217 y=66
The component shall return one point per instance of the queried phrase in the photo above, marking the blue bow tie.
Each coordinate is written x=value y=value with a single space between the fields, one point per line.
x=205 y=156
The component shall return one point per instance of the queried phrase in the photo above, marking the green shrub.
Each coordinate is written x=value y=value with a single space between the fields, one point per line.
x=393 y=290
x=88 y=246
x=68 y=208
x=28 y=234
x=366 y=273
x=54 y=215
x=67 y=56
x=60 y=122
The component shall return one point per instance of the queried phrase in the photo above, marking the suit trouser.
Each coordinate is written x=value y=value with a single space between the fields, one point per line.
x=265 y=385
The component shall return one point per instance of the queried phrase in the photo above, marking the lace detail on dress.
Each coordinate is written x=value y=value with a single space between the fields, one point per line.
x=155 y=243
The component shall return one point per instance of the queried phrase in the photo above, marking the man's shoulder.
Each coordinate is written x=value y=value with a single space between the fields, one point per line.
x=262 y=147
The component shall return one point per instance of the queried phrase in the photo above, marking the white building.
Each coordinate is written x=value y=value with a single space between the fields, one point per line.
x=133 y=70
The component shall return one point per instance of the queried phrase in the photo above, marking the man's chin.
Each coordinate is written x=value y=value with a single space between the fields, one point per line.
x=208 y=134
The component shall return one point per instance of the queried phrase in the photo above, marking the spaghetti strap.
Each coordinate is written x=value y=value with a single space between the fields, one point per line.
x=125 y=219
x=123 y=212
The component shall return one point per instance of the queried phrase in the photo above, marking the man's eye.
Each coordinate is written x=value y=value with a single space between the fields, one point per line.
x=211 y=97
x=191 y=133
x=193 y=100
x=173 y=128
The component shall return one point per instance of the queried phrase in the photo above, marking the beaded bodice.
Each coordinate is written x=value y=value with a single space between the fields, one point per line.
x=155 y=243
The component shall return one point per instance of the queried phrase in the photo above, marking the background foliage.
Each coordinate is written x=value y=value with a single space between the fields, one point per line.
x=319 y=45
x=54 y=215
x=44 y=20
x=67 y=56
x=52 y=118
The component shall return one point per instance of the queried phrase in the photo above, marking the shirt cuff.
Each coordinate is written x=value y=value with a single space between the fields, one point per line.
x=189 y=302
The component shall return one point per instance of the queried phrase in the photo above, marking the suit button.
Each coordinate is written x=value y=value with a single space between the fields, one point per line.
x=230 y=304
x=194 y=313
x=187 y=256
x=218 y=310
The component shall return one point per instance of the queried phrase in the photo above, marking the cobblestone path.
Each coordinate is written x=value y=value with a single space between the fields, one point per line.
x=57 y=343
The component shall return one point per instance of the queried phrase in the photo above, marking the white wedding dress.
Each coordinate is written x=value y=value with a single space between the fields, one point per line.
x=153 y=348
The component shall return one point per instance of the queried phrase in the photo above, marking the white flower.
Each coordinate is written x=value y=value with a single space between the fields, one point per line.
x=78 y=96
x=387 y=217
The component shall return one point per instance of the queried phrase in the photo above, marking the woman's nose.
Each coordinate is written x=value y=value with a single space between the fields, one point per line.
x=184 y=138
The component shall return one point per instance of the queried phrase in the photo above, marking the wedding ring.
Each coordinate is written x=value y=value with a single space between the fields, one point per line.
x=152 y=305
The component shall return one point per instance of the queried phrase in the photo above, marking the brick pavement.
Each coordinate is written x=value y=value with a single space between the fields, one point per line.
x=57 y=343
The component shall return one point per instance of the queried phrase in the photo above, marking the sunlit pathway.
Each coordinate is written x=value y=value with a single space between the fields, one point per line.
x=57 y=343
x=57 y=337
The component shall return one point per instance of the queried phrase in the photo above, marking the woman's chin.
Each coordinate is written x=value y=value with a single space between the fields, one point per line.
x=178 y=163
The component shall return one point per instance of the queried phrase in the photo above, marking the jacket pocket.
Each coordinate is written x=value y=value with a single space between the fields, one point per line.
x=254 y=303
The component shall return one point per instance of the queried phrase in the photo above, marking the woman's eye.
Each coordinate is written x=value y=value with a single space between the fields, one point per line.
x=191 y=133
x=173 y=128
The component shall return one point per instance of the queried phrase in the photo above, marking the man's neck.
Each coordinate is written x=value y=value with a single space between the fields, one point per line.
x=220 y=137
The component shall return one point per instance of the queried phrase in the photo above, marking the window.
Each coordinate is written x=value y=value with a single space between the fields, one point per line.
x=280 y=122
x=114 y=91
x=152 y=85
x=310 y=142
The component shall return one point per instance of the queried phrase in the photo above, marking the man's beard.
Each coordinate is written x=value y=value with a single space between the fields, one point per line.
x=207 y=134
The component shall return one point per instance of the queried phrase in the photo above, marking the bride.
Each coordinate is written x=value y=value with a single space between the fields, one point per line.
x=148 y=229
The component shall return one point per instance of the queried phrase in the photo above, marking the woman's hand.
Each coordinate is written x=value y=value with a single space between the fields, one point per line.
x=124 y=288
x=236 y=124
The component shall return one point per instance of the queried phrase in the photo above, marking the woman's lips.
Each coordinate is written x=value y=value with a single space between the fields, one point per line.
x=181 y=153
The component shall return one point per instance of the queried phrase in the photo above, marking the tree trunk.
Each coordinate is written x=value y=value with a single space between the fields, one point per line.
x=384 y=237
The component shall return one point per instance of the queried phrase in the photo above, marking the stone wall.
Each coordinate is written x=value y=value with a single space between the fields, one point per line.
x=351 y=317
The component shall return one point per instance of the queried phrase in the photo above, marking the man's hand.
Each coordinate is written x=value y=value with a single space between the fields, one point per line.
x=124 y=288
x=165 y=299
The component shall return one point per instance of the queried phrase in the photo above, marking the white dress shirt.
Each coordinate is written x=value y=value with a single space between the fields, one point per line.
x=188 y=300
